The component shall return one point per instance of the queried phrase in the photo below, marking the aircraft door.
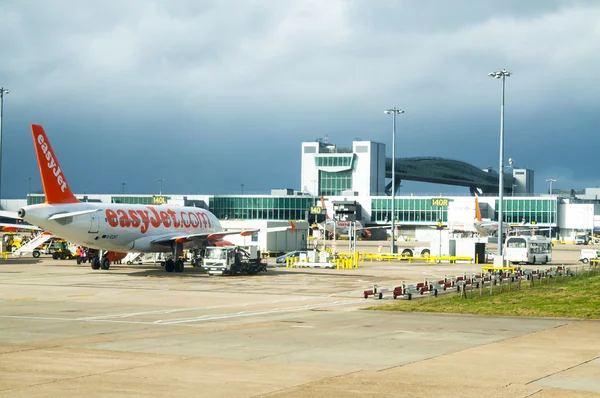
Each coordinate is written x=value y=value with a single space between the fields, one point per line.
x=94 y=223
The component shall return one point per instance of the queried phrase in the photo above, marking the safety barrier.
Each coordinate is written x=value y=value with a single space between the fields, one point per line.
x=572 y=242
x=492 y=268
x=390 y=257
x=450 y=259
x=504 y=279
x=427 y=259
x=269 y=254
x=408 y=290
x=5 y=255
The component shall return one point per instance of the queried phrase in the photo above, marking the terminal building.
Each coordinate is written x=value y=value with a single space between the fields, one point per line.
x=361 y=175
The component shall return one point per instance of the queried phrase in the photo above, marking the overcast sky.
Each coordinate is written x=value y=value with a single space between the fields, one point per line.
x=210 y=95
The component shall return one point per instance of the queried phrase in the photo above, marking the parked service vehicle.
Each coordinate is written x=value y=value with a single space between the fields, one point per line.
x=294 y=254
x=581 y=239
x=416 y=252
x=233 y=260
x=57 y=248
x=528 y=249
x=589 y=254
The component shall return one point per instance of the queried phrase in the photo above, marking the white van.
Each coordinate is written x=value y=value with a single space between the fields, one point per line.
x=589 y=254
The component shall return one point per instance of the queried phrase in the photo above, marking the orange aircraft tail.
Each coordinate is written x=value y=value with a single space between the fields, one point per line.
x=477 y=211
x=54 y=182
x=323 y=207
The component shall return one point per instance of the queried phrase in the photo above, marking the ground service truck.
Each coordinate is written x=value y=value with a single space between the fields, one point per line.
x=233 y=260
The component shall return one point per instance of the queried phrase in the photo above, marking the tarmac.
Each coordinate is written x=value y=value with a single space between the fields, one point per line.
x=138 y=331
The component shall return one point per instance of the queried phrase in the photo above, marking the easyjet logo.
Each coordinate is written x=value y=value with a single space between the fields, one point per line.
x=52 y=163
x=143 y=219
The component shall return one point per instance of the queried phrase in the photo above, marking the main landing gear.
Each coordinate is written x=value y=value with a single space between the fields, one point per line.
x=175 y=265
x=100 y=261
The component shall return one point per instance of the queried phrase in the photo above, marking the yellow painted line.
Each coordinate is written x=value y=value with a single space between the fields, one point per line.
x=23 y=299
x=81 y=295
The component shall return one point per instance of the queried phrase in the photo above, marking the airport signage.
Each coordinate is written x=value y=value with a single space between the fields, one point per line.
x=159 y=200
x=316 y=210
x=440 y=202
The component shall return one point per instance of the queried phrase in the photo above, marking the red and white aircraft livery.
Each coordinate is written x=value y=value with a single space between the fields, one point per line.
x=112 y=228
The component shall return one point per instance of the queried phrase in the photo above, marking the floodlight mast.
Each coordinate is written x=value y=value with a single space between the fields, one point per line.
x=497 y=75
x=393 y=111
x=2 y=92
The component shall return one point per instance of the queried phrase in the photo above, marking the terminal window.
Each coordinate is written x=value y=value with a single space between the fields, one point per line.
x=133 y=200
x=333 y=184
x=333 y=161
x=260 y=207
x=407 y=210
x=529 y=210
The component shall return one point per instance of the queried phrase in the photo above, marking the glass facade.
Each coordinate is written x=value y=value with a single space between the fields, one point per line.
x=534 y=210
x=334 y=161
x=35 y=199
x=260 y=207
x=134 y=200
x=334 y=183
x=407 y=210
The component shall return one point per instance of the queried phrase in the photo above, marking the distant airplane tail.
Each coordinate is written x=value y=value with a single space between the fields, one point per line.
x=54 y=182
x=323 y=207
x=477 y=211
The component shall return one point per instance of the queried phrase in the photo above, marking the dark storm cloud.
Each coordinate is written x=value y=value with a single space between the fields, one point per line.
x=139 y=90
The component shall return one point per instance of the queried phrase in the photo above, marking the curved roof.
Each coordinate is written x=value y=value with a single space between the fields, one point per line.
x=446 y=171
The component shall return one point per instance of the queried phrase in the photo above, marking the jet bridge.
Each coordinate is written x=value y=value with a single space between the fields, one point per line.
x=446 y=171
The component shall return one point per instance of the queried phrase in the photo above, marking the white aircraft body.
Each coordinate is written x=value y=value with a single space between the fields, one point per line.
x=488 y=228
x=118 y=228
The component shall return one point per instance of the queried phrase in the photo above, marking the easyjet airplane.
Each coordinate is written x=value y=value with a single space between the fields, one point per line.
x=116 y=228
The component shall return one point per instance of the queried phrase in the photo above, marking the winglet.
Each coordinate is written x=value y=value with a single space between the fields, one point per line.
x=477 y=211
x=54 y=182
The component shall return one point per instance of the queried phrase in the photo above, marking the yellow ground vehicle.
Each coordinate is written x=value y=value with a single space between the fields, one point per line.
x=12 y=241
x=57 y=248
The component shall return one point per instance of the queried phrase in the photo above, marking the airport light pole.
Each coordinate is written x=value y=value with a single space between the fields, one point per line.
x=160 y=181
x=393 y=111
x=497 y=75
x=242 y=188
x=123 y=188
x=2 y=92
x=550 y=180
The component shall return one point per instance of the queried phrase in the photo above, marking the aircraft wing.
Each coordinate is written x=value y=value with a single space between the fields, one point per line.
x=9 y=214
x=202 y=236
x=218 y=235
x=21 y=227
x=15 y=227
x=376 y=227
